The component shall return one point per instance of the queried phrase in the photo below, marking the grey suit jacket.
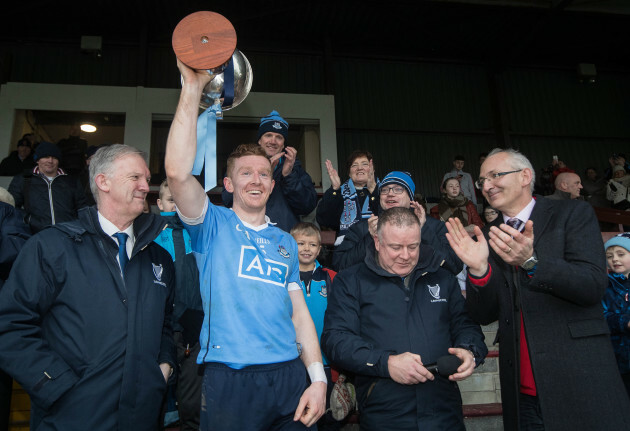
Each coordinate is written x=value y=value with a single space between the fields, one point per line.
x=577 y=380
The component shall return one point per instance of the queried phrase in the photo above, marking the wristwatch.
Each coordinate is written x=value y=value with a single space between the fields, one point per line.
x=530 y=263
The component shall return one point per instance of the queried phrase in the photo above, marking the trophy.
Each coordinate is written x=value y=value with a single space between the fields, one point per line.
x=207 y=41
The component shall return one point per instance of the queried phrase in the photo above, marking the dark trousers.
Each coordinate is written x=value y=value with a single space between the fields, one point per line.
x=189 y=379
x=6 y=390
x=530 y=413
x=255 y=398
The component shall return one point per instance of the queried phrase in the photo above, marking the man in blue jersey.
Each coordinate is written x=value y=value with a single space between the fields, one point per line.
x=256 y=325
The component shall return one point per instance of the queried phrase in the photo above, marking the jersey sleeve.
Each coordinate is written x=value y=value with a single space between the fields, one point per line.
x=293 y=281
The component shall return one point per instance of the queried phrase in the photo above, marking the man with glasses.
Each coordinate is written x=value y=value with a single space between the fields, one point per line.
x=396 y=190
x=539 y=270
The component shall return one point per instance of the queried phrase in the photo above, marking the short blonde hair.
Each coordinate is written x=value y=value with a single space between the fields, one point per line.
x=242 y=151
x=163 y=187
x=307 y=229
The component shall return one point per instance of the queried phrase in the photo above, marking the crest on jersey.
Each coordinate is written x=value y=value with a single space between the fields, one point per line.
x=434 y=291
x=157 y=271
x=283 y=252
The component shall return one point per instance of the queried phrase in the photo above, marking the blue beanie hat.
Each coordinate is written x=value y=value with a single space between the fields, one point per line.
x=273 y=123
x=47 y=149
x=622 y=240
x=400 y=178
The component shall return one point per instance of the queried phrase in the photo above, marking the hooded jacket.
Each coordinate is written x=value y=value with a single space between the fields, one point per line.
x=83 y=341
x=372 y=315
x=353 y=248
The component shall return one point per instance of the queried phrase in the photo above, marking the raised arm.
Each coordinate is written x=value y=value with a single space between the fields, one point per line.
x=181 y=145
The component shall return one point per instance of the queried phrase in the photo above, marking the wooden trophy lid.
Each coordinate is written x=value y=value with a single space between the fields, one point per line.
x=204 y=40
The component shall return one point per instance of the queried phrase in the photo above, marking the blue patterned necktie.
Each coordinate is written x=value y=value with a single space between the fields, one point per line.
x=122 y=249
x=515 y=223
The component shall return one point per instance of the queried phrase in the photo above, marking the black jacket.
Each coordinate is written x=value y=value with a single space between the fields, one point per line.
x=371 y=315
x=577 y=380
x=331 y=207
x=12 y=165
x=85 y=343
x=47 y=203
x=13 y=234
x=353 y=248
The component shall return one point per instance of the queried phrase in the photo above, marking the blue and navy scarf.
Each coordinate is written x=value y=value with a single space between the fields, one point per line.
x=350 y=214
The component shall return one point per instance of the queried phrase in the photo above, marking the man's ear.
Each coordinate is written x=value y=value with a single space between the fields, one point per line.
x=527 y=176
x=377 y=244
x=227 y=183
x=102 y=182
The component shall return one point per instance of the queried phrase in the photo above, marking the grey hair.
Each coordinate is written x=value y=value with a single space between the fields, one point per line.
x=102 y=162
x=397 y=216
x=6 y=197
x=517 y=160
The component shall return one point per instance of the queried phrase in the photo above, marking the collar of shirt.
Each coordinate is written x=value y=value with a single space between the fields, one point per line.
x=257 y=228
x=199 y=220
x=110 y=229
x=525 y=213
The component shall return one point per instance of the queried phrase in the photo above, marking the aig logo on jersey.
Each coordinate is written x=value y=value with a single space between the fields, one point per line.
x=435 y=293
x=255 y=267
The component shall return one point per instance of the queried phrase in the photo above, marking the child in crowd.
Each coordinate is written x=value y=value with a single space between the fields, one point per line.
x=316 y=281
x=187 y=312
x=615 y=302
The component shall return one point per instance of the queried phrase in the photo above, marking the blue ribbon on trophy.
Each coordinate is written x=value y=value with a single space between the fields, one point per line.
x=207 y=146
x=206 y=40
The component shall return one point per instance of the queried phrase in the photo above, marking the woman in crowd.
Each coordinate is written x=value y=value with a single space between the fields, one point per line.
x=455 y=204
x=353 y=201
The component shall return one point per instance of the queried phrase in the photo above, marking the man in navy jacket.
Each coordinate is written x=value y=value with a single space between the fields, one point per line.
x=294 y=194
x=389 y=317
x=85 y=316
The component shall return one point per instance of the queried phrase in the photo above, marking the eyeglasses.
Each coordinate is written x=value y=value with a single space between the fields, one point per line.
x=396 y=189
x=481 y=181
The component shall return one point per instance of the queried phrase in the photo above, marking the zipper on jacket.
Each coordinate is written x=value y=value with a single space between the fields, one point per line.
x=50 y=199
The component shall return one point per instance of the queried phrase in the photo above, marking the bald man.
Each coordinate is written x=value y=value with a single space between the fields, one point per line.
x=568 y=186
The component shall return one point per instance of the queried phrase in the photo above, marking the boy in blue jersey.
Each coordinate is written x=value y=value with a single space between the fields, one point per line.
x=316 y=281
x=187 y=311
x=256 y=326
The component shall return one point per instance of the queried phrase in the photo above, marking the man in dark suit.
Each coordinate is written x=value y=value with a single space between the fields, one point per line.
x=542 y=277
